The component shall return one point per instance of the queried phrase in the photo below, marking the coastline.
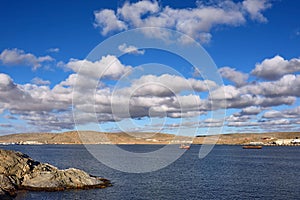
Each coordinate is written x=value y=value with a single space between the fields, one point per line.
x=96 y=138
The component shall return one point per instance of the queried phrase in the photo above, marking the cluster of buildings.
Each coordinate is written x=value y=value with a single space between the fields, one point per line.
x=287 y=142
x=22 y=143
x=273 y=141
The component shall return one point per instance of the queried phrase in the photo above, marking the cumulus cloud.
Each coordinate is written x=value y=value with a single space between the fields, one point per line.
x=245 y=124
x=240 y=118
x=29 y=97
x=50 y=109
x=107 y=67
x=247 y=100
x=266 y=124
x=38 y=105
x=273 y=114
x=276 y=67
x=196 y=22
x=288 y=85
x=236 y=77
x=251 y=95
x=6 y=83
x=252 y=110
x=165 y=95
x=108 y=21
x=149 y=95
x=288 y=113
x=39 y=81
x=225 y=92
x=255 y=8
x=210 y=122
x=48 y=121
x=167 y=85
x=124 y=48
x=53 y=50
x=19 y=57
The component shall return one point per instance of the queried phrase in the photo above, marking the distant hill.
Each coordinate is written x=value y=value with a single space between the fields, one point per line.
x=245 y=138
x=92 y=137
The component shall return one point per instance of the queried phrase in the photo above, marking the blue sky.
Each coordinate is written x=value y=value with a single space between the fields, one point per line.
x=254 y=44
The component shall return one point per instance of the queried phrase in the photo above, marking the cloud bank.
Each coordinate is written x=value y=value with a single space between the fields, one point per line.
x=258 y=104
x=14 y=57
x=196 y=22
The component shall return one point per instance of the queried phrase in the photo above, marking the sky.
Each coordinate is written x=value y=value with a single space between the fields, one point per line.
x=96 y=65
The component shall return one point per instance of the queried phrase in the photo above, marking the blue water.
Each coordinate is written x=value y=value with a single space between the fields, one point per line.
x=228 y=172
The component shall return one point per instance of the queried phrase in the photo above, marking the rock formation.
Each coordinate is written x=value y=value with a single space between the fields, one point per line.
x=19 y=171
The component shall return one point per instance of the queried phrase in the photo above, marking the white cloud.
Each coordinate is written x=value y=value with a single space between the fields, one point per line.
x=276 y=67
x=252 y=110
x=288 y=85
x=130 y=49
x=225 y=92
x=29 y=97
x=241 y=118
x=53 y=50
x=39 y=81
x=195 y=22
x=288 y=113
x=255 y=8
x=50 y=109
x=236 y=77
x=240 y=124
x=262 y=124
x=210 y=122
x=42 y=108
x=251 y=95
x=45 y=122
x=109 y=21
x=273 y=114
x=247 y=100
x=160 y=96
x=292 y=112
x=19 y=57
x=107 y=67
x=167 y=85
x=6 y=83
x=132 y=12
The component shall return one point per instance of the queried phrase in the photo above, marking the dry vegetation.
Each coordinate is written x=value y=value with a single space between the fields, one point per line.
x=91 y=137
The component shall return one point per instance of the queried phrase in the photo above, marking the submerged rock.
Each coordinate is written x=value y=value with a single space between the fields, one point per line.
x=19 y=171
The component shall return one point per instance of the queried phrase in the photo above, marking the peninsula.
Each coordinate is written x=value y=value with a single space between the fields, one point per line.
x=92 y=137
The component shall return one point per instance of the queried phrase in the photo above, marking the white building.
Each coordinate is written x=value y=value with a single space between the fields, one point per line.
x=295 y=141
x=283 y=141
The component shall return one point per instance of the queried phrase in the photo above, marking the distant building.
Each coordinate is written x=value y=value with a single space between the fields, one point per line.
x=295 y=141
x=283 y=141
x=30 y=142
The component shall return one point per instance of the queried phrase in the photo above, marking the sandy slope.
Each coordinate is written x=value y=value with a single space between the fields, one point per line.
x=91 y=137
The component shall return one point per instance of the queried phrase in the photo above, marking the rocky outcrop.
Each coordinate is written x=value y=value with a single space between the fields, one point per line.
x=7 y=187
x=19 y=171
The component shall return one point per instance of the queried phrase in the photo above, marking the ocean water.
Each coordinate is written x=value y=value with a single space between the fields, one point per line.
x=227 y=172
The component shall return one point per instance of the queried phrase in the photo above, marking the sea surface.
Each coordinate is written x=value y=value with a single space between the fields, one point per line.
x=227 y=172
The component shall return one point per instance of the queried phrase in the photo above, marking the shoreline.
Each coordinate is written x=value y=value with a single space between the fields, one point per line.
x=161 y=144
x=92 y=137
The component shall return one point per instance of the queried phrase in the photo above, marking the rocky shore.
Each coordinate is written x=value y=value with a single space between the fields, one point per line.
x=20 y=172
